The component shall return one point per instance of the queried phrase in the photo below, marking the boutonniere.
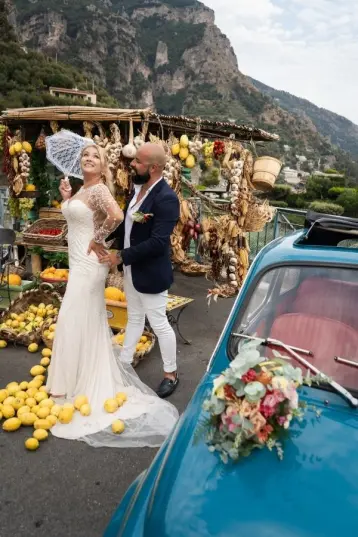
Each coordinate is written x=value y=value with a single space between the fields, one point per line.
x=141 y=218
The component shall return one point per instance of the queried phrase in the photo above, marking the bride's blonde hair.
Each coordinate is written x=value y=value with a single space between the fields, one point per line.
x=106 y=173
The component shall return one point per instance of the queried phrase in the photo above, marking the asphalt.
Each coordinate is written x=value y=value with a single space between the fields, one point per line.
x=68 y=489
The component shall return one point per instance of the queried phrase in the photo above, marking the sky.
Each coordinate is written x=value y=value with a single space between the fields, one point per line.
x=306 y=47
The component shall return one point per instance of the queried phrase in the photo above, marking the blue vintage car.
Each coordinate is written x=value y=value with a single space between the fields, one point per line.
x=301 y=293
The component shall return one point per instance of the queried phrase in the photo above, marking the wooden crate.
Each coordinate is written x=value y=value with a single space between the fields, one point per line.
x=117 y=314
x=50 y=212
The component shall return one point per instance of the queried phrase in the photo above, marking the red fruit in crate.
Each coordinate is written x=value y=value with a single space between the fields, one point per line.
x=191 y=224
x=197 y=228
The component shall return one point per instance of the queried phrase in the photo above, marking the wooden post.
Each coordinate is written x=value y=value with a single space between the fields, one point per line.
x=36 y=264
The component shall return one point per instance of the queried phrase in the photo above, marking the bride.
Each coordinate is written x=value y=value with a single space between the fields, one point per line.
x=84 y=359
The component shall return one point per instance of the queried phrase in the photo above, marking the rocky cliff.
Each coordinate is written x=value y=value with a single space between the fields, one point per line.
x=164 y=54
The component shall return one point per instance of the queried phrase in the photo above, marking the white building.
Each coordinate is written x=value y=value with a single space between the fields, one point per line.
x=75 y=93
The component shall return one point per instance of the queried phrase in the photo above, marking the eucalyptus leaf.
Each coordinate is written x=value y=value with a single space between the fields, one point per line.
x=254 y=391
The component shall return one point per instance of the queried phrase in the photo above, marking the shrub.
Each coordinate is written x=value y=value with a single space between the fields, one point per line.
x=279 y=204
x=326 y=207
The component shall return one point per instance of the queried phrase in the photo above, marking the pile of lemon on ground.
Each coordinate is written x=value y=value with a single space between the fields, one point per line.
x=32 y=319
x=27 y=404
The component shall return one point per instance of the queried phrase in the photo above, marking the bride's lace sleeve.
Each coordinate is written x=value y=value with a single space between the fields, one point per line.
x=101 y=201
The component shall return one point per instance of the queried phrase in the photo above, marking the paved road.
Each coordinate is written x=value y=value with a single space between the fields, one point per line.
x=67 y=489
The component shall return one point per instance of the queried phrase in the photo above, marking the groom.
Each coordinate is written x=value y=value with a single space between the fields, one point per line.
x=144 y=252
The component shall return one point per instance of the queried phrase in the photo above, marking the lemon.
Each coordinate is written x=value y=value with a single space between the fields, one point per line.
x=46 y=403
x=42 y=424
x=18 y=403
x=0 y=415
x=28 y=419
x=80 y=401
x=8 y=411
x=46 y=353
x=52 y=328
x=52 y=419
x=121 y=398
x=32 y=444
x=85 y=409
x=35 y=384
x=10 y=400
x=30 y=402
x=3 y=344
x=35 y=409
x=45 y=362
x=144 y=339
x=21 y=394
x=3 y=395
x=65 y=416
x=11 y=425
x=43 y=389
x=31 y=391
x=37 y=370
x=69 y=406
x=111 y=405
x=118 y=427
x=40 y=396
x=23 y=410
x=33 y=347
x=55 y=410
x=23 y=385
x=43 y=413
x=40 y=435
x=12 y=388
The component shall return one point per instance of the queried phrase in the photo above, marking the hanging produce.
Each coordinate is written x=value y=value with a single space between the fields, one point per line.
x=130 y=150
x=40 y=143
x=114 y=147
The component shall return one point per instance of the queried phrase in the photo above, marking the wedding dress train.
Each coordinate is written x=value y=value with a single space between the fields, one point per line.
x=84 y=359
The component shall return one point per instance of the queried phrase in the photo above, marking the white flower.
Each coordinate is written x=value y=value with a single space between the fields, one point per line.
x=218 y=383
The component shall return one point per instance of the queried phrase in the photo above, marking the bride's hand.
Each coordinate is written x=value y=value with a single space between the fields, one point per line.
x=65 y=193
x=97 y=248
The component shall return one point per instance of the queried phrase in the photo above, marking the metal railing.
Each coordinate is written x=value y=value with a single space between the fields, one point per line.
x=286 y=221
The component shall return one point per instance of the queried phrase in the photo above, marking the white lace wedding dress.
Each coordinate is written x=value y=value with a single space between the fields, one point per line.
x=84 y=359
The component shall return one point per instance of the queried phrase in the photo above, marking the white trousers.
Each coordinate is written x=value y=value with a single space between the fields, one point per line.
x=140 y=305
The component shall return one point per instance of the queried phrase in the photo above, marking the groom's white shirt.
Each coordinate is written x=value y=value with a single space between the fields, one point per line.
x=128 y=224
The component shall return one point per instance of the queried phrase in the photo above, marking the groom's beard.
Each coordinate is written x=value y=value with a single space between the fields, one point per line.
x=141 y=179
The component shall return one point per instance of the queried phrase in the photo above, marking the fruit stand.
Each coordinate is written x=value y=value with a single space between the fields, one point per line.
x=210 y=165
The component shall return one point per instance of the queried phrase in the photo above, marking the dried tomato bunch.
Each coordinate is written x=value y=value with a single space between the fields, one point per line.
x=219 y=149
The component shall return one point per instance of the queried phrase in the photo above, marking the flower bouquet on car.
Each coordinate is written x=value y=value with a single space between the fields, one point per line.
x=251 y=404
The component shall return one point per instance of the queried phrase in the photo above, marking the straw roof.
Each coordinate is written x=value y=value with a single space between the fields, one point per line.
x=208 y=128
x=71 y=113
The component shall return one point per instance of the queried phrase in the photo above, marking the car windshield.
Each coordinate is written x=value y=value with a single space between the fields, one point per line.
x=309 y=308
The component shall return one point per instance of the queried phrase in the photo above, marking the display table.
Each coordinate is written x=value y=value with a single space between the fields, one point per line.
x=118 y=317
x=36 y=262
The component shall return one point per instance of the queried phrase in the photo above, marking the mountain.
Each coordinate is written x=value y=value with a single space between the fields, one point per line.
x=340 y=130
x=168 y=54
x=25 y=75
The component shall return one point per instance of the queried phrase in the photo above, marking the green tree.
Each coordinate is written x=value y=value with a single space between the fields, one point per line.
x=317 y=188
x=349 y=201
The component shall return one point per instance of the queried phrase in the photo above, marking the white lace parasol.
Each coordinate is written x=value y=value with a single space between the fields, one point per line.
x=63 y=150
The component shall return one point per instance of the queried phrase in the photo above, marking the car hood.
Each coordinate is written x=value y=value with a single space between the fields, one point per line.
x=313 y=492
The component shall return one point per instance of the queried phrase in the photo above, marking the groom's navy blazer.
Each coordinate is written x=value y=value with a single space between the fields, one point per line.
x=149 y=254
